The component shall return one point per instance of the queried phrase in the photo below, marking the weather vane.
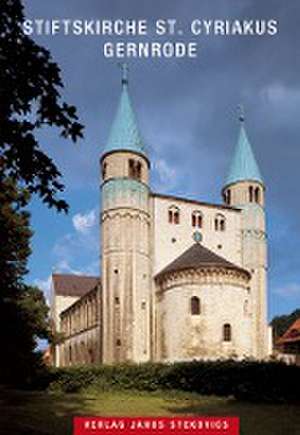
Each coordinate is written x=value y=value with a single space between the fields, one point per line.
x=241 y=113
x=124 y=68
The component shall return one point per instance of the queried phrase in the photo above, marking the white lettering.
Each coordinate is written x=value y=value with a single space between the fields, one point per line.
x=196 y=27
x=27 y=27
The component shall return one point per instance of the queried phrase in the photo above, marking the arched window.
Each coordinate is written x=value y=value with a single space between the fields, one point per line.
x=135 y=169
x=246 y=307
x=131 y=168
x=227 y=332
x=257 y=195
x=251 y=193
x=195 y=306
x=138 y=170
x=174 y=215
x=104 y=169
x=220 y=222
x=228 y=197
x=197 y=219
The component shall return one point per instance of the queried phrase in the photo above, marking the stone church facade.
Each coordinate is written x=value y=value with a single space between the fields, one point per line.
x=181 y=279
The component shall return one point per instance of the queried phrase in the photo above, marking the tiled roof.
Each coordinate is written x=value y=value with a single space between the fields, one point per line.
x=73 y=285
x=292 y=335
x=243 y=166
x=198 y=256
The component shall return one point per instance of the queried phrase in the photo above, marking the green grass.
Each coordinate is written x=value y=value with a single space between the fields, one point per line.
x=41 y=413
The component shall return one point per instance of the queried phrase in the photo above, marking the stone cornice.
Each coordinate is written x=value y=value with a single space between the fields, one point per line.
x=125 y=151
x=132 y=212
x=205 y=275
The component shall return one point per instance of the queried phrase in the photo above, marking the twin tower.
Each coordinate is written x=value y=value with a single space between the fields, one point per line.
x=132 y=224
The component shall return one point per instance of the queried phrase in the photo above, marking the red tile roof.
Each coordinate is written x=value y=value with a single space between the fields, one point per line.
x=292 y=335
x=73 y=285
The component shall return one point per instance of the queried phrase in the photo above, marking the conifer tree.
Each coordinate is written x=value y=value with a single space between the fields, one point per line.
x=23 y=310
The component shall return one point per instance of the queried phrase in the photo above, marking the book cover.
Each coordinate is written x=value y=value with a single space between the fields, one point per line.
x=149 y=217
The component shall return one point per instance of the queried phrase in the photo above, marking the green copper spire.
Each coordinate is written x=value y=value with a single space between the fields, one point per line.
x=124 y=134
x=243 y=166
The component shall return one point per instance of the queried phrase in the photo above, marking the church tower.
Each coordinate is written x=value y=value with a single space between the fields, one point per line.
x=125 y=239
x=244 y=188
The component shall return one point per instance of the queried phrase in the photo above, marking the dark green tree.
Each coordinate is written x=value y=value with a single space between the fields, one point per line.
x=280 y=324
x=30 y=98
x=26 y=320
x=23 y=310
x=15 y=236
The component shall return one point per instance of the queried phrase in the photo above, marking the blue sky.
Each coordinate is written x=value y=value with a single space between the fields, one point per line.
x=187 y=112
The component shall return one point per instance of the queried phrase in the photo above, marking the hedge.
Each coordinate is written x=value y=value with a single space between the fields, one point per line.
x=245 y=380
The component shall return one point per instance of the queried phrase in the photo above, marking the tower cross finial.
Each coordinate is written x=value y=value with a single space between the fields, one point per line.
x=241 y=111
x=124 y=68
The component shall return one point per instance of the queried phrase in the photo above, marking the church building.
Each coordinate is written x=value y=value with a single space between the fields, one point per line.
x=180 y=278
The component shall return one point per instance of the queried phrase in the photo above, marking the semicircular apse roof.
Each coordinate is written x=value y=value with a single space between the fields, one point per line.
x=198 y=256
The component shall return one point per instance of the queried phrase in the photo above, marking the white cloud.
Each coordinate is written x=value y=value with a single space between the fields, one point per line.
x=84 y=241
x=166 y=176
x=71 y=246
x=64 y=267
x=83 y=223
x=79 y=248
x=279 y=93
x=165 y=171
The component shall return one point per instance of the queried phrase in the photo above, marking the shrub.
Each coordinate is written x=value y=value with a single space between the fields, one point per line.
x=245 y=380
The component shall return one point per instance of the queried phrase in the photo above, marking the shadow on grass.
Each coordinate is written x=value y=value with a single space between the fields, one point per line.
x=41 y=413
x=255 y=419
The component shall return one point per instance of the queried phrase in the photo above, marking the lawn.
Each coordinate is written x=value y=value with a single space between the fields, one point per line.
x=41 y=413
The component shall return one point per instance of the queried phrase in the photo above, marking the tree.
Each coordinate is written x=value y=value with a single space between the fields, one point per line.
x=15 y=236
x=280 y=324
x=34 y=312
x=24 y=320
x=23 y=310
x=30 y=98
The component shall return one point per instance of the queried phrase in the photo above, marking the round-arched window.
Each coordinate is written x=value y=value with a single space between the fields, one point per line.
x=195 y=306
x=227 y=333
